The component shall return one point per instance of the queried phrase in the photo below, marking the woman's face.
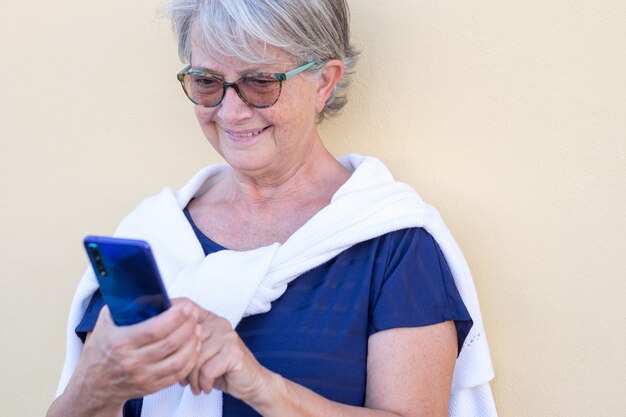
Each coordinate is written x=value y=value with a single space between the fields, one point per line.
x=259 y=142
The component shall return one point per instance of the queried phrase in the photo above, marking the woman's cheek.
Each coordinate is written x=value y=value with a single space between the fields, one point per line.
x=203 y=115
x=205 y=120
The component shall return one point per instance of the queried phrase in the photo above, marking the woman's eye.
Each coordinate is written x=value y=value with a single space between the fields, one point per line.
x=260 y=82
x=205 y=82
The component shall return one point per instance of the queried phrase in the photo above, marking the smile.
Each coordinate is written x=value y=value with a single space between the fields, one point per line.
x=244 y=134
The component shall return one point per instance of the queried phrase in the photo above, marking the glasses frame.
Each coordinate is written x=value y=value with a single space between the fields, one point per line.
x=279 y=76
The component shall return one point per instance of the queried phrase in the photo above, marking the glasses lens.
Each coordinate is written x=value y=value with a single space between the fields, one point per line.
x=259 y=90
x=203 y=90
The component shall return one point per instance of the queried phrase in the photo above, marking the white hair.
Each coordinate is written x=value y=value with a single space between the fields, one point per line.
x=307 y=30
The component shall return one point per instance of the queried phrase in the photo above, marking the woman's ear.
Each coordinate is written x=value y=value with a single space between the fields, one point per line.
x=331 y=74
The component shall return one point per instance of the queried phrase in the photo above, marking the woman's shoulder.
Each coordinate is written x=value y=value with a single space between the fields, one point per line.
x=400 y=242
x=410 y=252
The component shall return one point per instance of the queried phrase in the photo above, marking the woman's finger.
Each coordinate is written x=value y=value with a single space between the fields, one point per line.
x=159 y=327
x=186 y=332
x=214 y=329
x=173 y=368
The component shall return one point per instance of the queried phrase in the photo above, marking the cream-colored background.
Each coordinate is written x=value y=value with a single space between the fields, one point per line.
x=507 y=115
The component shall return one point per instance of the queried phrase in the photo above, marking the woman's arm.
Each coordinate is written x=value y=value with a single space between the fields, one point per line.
x=123 y=362
x=410 y=369
x=409 y=374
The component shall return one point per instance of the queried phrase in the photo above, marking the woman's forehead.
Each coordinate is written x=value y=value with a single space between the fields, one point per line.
x=204 y=56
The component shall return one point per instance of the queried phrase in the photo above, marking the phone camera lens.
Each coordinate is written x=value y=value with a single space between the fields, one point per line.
x=93 y=249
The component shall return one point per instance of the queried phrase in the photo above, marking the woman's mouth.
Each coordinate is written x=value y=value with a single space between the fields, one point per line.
x=244 y=135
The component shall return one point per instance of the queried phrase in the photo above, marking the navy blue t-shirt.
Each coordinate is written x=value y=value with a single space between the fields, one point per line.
x=316 y=334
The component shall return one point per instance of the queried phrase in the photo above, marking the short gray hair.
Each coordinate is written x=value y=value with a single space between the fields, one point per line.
x=307 y=30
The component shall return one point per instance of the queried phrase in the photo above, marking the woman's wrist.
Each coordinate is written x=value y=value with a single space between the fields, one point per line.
x=80 y=399
x=76 y=403
x=272 y=394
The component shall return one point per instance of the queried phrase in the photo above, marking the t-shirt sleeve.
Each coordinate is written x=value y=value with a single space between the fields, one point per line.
x=417 y=288
x=88 y=322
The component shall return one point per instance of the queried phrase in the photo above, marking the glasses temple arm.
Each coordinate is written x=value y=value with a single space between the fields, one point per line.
x=297 y=70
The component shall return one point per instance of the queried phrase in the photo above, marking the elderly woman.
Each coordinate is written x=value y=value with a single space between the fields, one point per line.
x=303 y=285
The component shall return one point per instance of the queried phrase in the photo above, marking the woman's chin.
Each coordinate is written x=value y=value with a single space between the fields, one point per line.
x=249 y=161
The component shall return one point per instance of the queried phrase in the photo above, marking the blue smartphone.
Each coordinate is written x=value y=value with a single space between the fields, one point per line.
x=130 y=282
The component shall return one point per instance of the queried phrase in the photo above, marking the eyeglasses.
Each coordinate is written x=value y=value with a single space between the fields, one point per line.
x=257 y=90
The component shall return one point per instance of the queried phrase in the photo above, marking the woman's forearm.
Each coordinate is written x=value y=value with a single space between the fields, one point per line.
x=75 y=402
x=61 y=408
x=409 y=374
x=284 y=398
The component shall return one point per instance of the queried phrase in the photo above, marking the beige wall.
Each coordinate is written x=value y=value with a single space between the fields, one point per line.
x=509 y=116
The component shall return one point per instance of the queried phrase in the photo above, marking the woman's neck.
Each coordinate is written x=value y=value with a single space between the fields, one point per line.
x=318 y=176
x=241 y=212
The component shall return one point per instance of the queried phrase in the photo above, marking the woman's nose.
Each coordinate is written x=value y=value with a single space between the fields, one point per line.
x=233 y=108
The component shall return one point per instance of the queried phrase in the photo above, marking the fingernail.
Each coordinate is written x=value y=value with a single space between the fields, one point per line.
x=198 y=330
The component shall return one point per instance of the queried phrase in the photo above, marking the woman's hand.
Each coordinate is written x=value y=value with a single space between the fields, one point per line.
x=123 y=362
x=225 y=362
